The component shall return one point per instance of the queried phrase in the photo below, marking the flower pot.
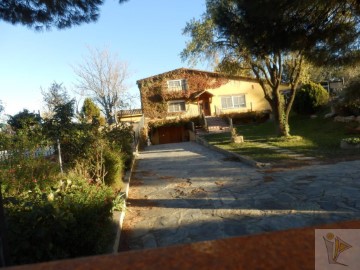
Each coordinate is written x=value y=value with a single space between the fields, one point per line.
x=346 y=145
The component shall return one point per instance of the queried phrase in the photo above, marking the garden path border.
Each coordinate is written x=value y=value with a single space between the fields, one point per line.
x=127 y=179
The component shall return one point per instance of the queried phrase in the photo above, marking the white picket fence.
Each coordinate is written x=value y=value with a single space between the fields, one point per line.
x=40 y=152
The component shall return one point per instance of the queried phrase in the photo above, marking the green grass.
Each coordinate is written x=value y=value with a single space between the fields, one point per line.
x=317 y=137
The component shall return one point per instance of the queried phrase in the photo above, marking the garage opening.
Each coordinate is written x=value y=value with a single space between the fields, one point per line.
x=169 y=134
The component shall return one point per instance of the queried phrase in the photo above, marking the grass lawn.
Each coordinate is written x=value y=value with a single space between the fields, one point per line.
x=320 y=138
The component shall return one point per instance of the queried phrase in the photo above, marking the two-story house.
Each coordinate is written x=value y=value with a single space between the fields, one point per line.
x=185 y=93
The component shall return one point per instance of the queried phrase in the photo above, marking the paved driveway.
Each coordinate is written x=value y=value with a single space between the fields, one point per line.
x=184 y=192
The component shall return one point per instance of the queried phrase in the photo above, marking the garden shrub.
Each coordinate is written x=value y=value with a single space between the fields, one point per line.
x=72 y=221
x=47 y=219
x=77 y=142
x=20 y=168
x=31 y=172
x=196 y=120
x=349 y=100
x=310 y=98
x=113 y=167
x=121 y=138
x=143 y=136
x=248 y=117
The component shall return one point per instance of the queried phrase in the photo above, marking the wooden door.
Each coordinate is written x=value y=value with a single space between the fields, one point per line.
x=171 y=134
x=204 y=105
x=206 y=109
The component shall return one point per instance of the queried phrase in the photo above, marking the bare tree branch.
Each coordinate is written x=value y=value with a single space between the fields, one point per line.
x=102 y=76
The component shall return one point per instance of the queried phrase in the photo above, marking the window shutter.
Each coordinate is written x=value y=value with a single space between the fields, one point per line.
x=184 y=85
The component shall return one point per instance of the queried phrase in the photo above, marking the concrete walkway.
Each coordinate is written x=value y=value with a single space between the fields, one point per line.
x=184 y=192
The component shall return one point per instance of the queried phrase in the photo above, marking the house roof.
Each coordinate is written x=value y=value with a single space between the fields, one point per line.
x=209 y=73
x=198 y=94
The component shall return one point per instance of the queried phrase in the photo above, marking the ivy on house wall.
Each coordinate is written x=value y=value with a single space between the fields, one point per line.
x=155 y=94
x=153 y=124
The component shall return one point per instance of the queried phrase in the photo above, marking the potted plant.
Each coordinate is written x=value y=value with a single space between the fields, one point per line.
x=350 y=143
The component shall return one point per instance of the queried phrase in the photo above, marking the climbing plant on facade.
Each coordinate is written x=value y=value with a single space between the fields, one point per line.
x=155 y=93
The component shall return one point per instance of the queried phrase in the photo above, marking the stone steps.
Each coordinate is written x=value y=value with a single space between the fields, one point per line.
x=216 y=124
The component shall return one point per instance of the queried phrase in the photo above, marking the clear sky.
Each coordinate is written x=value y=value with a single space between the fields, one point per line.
x=145 y=33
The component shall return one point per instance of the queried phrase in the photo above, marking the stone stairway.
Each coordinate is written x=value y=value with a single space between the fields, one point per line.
x=217 y=124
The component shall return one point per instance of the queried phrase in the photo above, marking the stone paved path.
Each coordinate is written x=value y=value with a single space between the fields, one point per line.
x=184 y=192
x=287 y=152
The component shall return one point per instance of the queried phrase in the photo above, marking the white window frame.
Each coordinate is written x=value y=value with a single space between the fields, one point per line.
x=233 y=102
x=181 y=85
x=175 y=106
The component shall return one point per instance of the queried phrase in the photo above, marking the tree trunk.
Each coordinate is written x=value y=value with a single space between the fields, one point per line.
x=281 y=118
x=109 y=117
x=282 y=127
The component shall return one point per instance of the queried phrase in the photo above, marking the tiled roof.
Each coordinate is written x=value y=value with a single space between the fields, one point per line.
x=209 y=73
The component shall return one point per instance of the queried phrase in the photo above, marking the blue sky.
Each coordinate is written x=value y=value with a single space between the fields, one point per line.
x=145 y=33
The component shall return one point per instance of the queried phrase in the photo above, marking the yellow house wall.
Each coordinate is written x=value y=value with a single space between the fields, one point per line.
x=254 y=96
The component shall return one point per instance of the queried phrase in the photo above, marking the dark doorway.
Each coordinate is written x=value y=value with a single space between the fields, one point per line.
x=204 y=104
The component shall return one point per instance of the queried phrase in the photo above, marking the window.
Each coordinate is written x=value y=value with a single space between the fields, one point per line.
x=177 y=85
x=232 y=102
x=176 y=106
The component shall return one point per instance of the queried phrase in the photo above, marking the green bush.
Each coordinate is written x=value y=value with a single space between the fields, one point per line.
x=70 y=220
x=47 y=219
x=29 y=173
x=310 y=99
x=77 y=142
x=113 y=167
x=25 y=166
x=120 y=139
x=248 y=117
x=349 y=100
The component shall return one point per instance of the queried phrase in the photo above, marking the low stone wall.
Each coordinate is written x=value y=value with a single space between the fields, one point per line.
x=192 y=135
x=347 y=119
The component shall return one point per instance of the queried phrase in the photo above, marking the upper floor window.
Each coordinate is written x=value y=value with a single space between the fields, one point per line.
x=177 y=85
x=233 y=102
x=176 y=106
